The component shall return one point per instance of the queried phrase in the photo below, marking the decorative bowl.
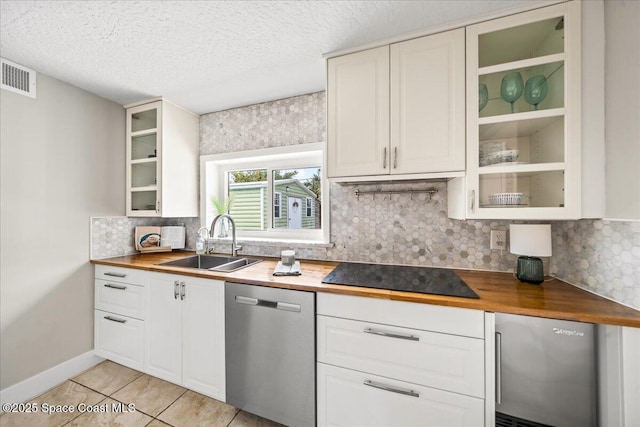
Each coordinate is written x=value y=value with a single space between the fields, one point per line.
x=497 y=157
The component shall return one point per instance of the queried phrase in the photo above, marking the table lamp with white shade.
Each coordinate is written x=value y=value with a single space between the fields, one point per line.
x=530 y=241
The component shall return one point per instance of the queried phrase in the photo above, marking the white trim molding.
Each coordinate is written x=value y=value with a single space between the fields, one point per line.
x=46 y=380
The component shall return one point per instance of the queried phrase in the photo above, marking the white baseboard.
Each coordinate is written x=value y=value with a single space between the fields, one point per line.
x=44 y=381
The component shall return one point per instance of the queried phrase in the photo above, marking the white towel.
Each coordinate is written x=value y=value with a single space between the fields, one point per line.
x=287 y=270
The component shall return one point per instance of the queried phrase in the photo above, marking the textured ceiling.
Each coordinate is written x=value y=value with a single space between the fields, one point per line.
x=206 y=55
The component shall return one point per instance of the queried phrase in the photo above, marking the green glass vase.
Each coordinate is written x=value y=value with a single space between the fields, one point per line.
x=511 y=88
x=483 y=96
x=535 y=91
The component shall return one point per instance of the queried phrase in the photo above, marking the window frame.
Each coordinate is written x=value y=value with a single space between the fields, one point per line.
x=308 y=207
x=214 y=181
x=277 y=193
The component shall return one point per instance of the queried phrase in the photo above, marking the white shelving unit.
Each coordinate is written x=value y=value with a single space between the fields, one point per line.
x=162 y=160
x=547 y=137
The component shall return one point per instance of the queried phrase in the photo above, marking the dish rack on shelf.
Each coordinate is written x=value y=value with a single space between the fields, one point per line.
x=506 y=198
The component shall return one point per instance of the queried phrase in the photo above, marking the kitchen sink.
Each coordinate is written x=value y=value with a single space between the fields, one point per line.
x=212 y=263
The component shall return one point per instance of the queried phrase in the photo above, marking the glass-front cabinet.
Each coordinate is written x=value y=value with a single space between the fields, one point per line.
x=162 y=160
x=523 y=115
x=143 y=141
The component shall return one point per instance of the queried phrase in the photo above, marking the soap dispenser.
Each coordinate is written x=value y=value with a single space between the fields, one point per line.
x=201 y=242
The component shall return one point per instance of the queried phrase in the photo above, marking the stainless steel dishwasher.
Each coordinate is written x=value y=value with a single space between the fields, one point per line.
x=270 y=352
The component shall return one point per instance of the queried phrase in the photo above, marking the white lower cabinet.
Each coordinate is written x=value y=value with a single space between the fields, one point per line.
x=383 y=363
x=448 y=362
x=203 y=351
x=184 y=340
x=352 y=398
x=119 y=315
x=119 y=338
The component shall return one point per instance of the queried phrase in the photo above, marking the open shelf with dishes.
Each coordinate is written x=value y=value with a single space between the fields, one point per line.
x=521 y=92
x=542 y=189
x=524 y=142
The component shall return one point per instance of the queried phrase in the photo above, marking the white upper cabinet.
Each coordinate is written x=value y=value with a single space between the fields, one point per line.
x=397 y=112
x=525 y=148
x=428 y=104
x=358 y=114
x=162 y=160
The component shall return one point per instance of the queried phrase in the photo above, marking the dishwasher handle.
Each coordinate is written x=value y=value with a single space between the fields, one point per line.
x=269 y=304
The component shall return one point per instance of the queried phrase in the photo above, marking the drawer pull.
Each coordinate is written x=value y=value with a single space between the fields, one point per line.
x=118 y=287
x=115 y=320
x=392 y=389
x=120 y=275
x=391 y=334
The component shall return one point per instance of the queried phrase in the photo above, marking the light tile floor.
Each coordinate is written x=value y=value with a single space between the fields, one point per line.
x=110 y=390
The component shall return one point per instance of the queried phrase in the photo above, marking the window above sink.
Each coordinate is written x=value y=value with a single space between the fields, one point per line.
x=278 y=194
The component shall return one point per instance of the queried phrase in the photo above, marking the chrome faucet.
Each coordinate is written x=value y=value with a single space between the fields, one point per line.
x=234 y=246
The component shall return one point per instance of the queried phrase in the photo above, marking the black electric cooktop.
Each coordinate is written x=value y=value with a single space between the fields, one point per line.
x=424 y=280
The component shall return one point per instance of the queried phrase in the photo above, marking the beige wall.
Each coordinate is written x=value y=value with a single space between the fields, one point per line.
x=62 y=161
x=622 y=108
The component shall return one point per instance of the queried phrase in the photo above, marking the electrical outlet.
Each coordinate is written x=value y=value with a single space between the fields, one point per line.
x=498 y=240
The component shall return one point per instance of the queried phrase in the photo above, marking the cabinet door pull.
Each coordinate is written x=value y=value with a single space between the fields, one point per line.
x=384 y=158
x=391 y=389
x=112 y=286
x=498 y=368
x=183 y=291
x=176 y=289
x=158 y=206
x=391 y=334
x=473 y=200
x=395 y=157
x=120 y=275
x=113 y=319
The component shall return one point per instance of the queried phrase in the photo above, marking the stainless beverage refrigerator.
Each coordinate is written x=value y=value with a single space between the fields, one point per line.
x=545 y=372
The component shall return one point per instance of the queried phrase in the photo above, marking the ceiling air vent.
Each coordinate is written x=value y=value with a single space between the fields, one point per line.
x=18 y=79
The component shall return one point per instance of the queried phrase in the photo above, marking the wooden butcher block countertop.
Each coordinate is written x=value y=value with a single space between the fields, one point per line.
x=498 y=292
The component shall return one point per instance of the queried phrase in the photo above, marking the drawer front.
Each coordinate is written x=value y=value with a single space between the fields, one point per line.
x=119 y=338
x=353 y=398
x=120 y=275
x=120 y=298
x=446 y=362
x=435 y=318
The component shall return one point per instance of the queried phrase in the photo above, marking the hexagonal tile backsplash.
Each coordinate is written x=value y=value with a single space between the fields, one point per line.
x=601 y=256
